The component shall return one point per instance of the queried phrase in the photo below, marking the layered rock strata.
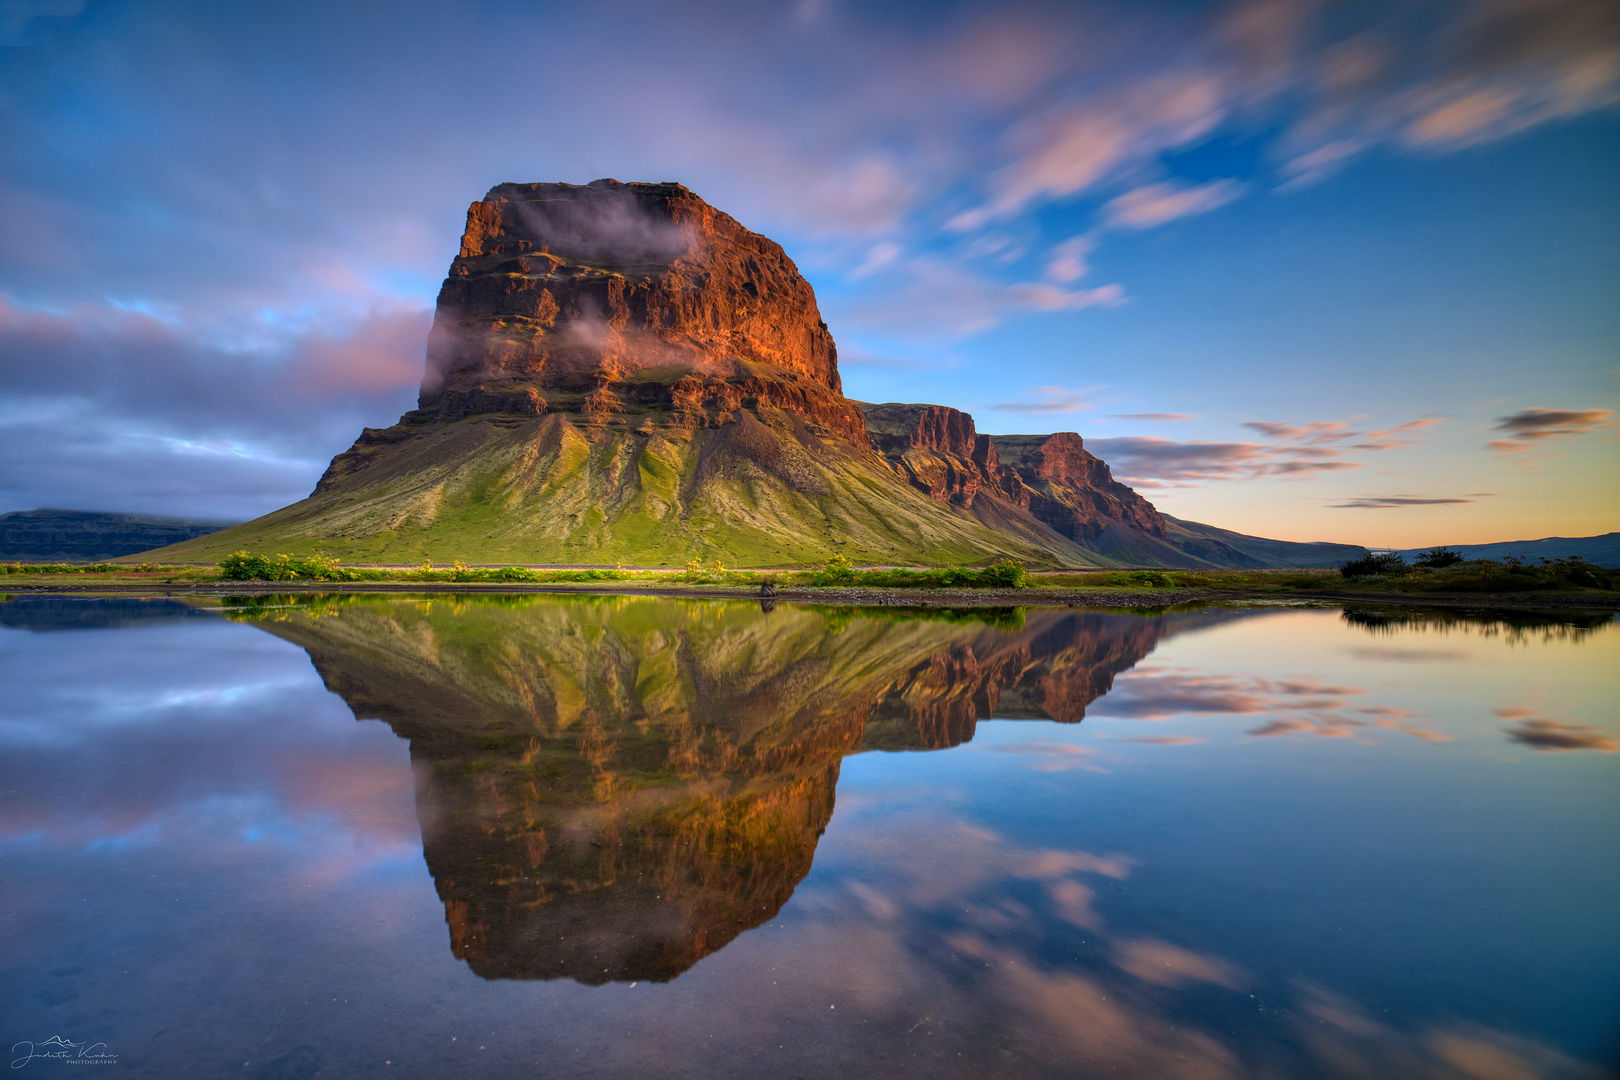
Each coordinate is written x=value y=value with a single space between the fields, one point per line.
x=1053 y=477
x=623 y=300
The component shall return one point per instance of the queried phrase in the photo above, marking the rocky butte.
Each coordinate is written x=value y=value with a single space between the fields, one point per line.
x=623 y=373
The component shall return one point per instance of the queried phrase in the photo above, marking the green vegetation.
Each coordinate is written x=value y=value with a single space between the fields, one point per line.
x=71 y=568
x=1438 y=558
x=1003 y=574
x=244 y=566
x=1371 y=565
x=1252 y=580
x=1442 y=571
x=552 y=491
x=1432 y=572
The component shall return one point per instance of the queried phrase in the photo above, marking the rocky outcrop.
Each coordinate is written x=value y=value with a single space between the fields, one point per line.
x=1051 y=477
x=937 y=450
x=1071 y=489
x=628 y=300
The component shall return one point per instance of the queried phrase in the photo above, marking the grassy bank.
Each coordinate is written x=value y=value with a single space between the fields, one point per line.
x=1565 y=580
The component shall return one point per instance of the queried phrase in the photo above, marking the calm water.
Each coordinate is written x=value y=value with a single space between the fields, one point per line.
x=642 y=837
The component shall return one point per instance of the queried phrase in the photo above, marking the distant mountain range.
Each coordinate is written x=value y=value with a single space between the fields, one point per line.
x=1603 y=550
x=622 y=373
x=87 y=536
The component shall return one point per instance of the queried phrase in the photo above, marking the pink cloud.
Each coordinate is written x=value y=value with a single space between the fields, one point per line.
x=1157 y=204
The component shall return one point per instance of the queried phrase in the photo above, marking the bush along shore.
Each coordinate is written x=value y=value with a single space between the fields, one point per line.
x=1006 y=574
x=1442 y=570
x=1556 y=582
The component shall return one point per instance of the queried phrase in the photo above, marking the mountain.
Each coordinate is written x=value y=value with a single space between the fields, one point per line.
x=623 y=373
x=84 y=536
x=1603 y=550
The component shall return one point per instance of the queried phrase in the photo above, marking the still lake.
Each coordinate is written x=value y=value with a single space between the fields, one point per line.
x=546 y=836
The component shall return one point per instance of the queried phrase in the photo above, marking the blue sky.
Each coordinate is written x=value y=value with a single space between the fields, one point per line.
x=1307 y=269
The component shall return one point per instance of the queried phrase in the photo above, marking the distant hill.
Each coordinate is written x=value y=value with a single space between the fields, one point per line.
x=623 y=373
x=1603 y=550
x=87 y=536
x=1192 y=537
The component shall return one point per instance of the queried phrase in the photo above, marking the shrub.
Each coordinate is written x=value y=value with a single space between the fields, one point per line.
x=244 y=566
x=1437 y=559
x=1371 y=565
x=1004 y=574
x=838 y=571
x=1577 y=571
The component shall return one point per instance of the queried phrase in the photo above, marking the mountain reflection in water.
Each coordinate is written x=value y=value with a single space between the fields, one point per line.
x=612 y=790
x=1349 y=843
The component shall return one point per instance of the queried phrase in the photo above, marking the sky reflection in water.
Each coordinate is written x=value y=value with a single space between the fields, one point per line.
x=1281 y=842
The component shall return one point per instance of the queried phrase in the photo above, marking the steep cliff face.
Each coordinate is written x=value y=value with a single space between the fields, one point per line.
x=1071 y=489
x=613 y=299
x=936 y=449
x=1051 y=477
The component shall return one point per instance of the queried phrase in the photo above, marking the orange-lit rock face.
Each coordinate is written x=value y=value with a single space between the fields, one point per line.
x=1052 y=477
x=1072 y=490
x=616 y=299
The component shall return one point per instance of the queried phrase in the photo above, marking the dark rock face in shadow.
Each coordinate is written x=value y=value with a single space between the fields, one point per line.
x=611 y=788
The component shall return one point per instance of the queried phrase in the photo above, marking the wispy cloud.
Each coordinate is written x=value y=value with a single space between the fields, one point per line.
x=1530 y=426
x=1071 y=148
x=1321 y=431
x=1046 y=399
x=1391 y=502
x=1067 y=261
x=881 y=255
x=1413 y=76
x=932 y=298
x=1156 y=204
x=1156 y=417
x=1298 y=450
x=1148 y=460
x=1397 y=437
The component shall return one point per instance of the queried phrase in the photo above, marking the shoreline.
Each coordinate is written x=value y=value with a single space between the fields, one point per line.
x=1037 y=596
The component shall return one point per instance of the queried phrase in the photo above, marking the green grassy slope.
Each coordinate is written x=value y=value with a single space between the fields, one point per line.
x=764 y=490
